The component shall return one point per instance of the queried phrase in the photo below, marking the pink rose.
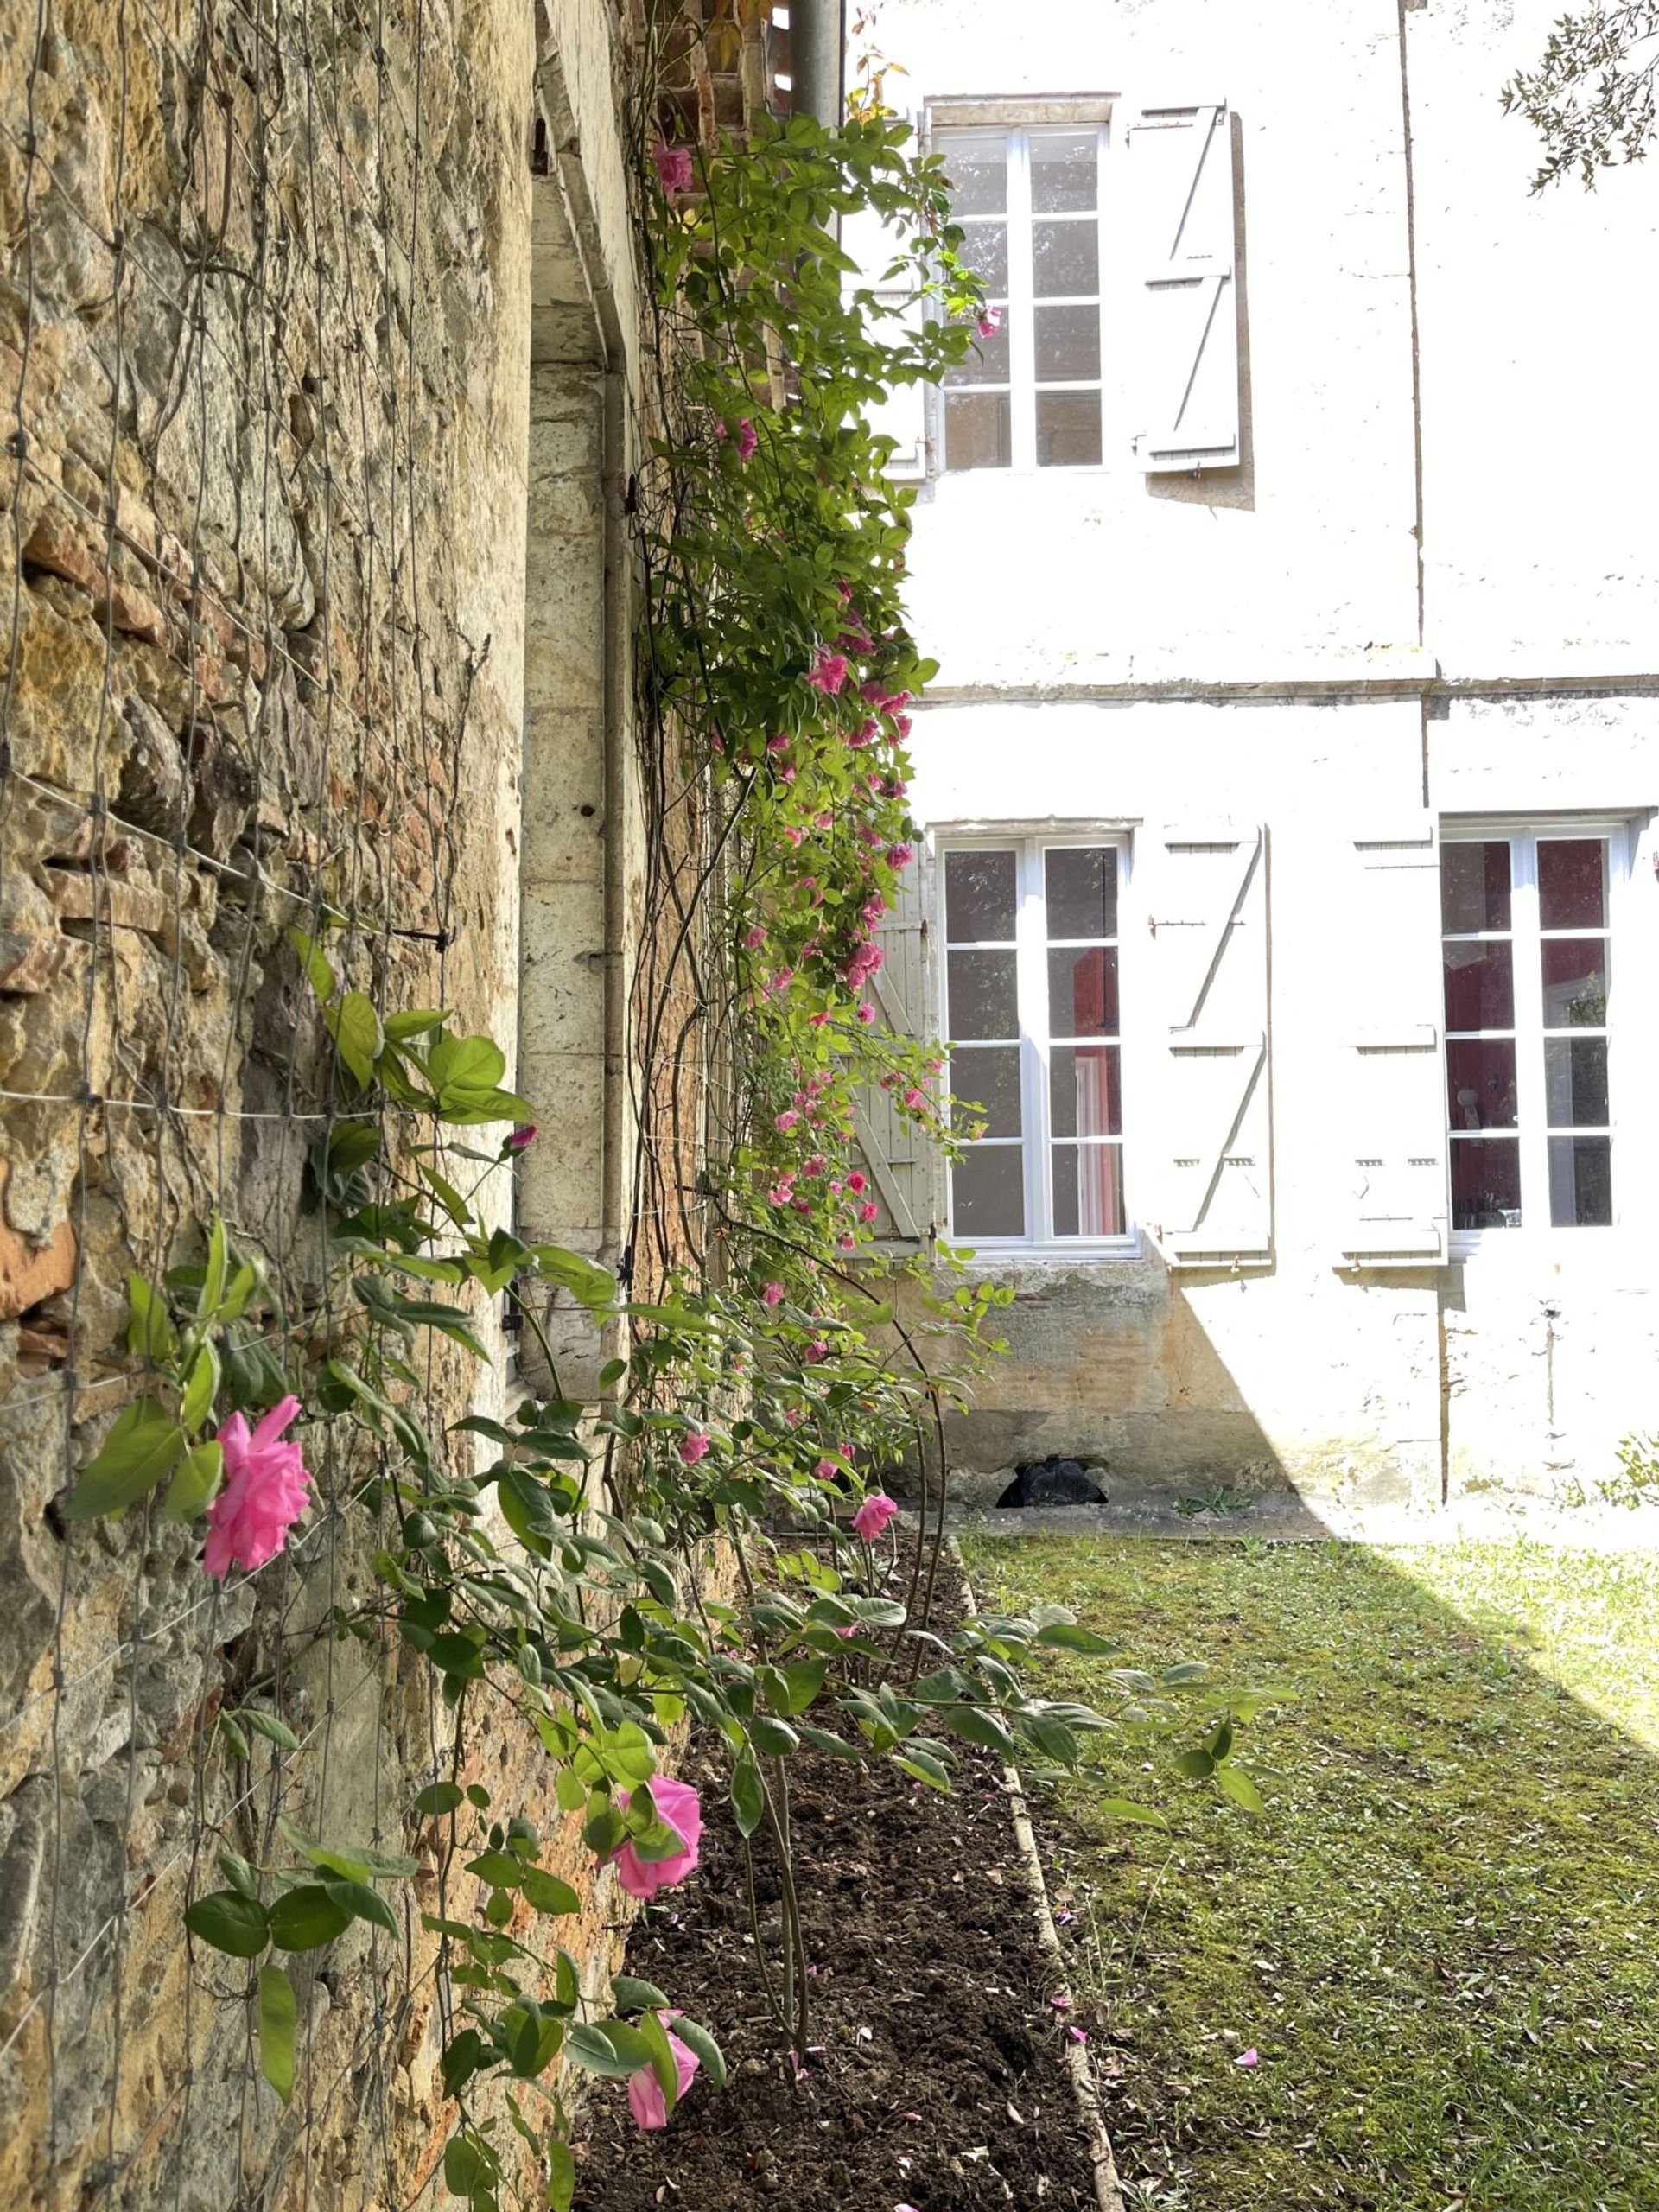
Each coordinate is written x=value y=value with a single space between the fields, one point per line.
x=676 y=1808
x=754 y=936
x=773 y=1294
x=855 y=1180
x=826 y=1471
x=673 y=165
x=522 y=1138
x=786 y=1121
x=873 y=1516
x=901 y=856
x=990 y=322
x=264 y=1493
x=645 y=2099
x=915 y=1099
x=816 y=1353
x=748 y=438
x=866 y=1211
x=867 y=1014
x=828 y=672
x=693 y=1445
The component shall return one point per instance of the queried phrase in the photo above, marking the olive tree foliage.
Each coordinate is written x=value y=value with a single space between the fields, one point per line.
x=1591 y=96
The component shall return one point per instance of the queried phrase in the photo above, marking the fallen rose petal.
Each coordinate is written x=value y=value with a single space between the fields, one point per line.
x=1250 y=2057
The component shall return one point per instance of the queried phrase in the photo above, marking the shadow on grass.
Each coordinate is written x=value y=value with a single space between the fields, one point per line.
x=1440 y=1941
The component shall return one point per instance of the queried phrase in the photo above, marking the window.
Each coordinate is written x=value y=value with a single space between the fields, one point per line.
x=1527 y=916
x=1032 y=1013
x=1029 y=204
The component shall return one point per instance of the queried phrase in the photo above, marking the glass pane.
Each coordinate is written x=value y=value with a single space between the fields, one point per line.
x=1480 y=1085
x=1081 y=890
x=982 y=998
x=987 y=358
x=1575 y=982
x=976 y=434
x=988 y=1079
x=979 y=889
x=1475 y=887
x=1571 y=883
x=1068 y=344
x=1083 y=993
x=1088 y=1190
x=1581 y=1182
x=977 y=165
x=1068 y=429
x=1065 y=260
x=1479 y=987
x=985 y=249
x=1575 y=1082
x=1085 y=1096
x=1486 y=1183
x=988 y=1192
x=1064 y=172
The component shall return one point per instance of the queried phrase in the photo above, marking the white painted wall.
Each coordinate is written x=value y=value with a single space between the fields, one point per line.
x=1072 y=610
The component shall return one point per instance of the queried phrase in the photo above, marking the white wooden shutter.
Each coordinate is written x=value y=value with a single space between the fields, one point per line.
x=1393 y=1099
x=895 y=1152
x=1207 y=1154
x=902 y=415
x=1185 y=331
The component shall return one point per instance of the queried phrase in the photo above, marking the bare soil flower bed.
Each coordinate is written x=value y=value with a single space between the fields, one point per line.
x=938 y=2082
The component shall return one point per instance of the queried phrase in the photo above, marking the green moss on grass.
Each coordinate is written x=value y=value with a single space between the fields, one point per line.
x=1440 y=1941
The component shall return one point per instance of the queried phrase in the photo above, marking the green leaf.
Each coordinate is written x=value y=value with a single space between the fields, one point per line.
x=447 y=1196
x=195 y=1481
x=233 y=1736
x=974 y=1723
x=355 y=1027
x=212 y=1278
x=1122 y=1809
x=837 y=1746
x=277 y=2016
x=150 y=1333
x=144 y=1445
x=607 y=2047
x=318 y=973
x=561 y=2175
x=630 y=1994
x=1234 y=1782
x=440 y=1797
x=498 y=1868
x=748 y=1797
x=804 y=1679
x=202 y=1387
x=1197 y=1766
x=923 y=1766
x=417 y=1022
x=775 y=1738
x=315 y=1914
x=547 y=1893
x=229 y=1921
x=244 y=1283
x=1067 y=1636
x=268 y=1726
x=462 y=2058
x=365 y=1903
x=590 y=1285
x=1189 y=1671
x=465 y=2165
x=662 y=2060
x=352 y=1146
x=697 y=2038
x=569 y=1791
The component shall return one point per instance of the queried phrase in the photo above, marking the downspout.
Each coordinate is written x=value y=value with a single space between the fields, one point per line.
x=817 y=45
x=614 y=691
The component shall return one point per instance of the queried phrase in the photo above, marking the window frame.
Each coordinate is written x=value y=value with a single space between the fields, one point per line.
x=1523 y=834
x=1032 y=945
x=1018 y=302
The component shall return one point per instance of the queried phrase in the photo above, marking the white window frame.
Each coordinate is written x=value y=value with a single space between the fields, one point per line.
x=1524 y=835
x=1019 y=304
x=1031 y=949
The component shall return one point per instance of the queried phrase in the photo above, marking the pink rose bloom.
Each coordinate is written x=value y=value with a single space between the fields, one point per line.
x=264 y=1493
x=866 y=1211
x=645 y=2099
x=873 y=909
x=793 y=836
x=915 y=1100
x=873 y=1516
x=863 y=962
x=786 y=1120
x=677 y=1808
x=816 y=1165
x=867 y=1014
x=855 y=1180
x=817 y=1352
x=522 y=1138
x=828 y=672
x=847 y=1241
x=990 y=322
x=754 y=936
x=673 y=165
x=901 y=856
x=776 y=745
x=693 y=1445
x=826 y=1471
x=747 y=438
x=773 y=1294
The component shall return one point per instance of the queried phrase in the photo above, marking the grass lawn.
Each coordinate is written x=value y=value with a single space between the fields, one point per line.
x=1441 y=1938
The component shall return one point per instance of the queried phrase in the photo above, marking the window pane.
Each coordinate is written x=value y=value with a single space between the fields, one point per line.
x=988 y=1078
x=979 y=889
x=1486 y=1183
x=1571 y=883
x=1081 y=890
x=1064 y=172
x=1575 y=1082
x=1068 y=429
x=1480 y=1083
x=985 y=251
x=988 y=1192
x=977 y=166
x=1085 y=1096
x=1065 y=260
x=1068 y=344
x=1475 y=887
x=1479 y=987
x=976 y=430
x=1083 y=993
x=983 y=1000
x=1581 y=1182
x=1575 y=981
x=1088 y=1190
x=987 y=358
